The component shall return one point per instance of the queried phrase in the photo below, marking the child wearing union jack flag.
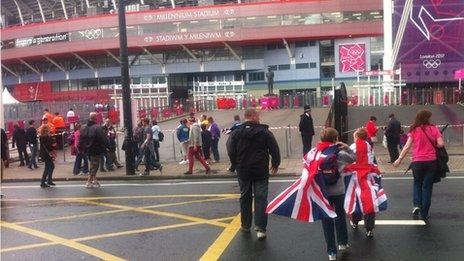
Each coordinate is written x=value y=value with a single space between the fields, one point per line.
x=364 y=193
x=319 y=193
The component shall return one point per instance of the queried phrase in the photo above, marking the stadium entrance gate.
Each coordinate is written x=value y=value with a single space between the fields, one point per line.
x=212 y=95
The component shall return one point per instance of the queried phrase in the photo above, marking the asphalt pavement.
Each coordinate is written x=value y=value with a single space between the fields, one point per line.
x=198 y=220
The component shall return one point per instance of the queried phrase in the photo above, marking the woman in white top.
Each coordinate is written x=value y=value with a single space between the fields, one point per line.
x=156 y=130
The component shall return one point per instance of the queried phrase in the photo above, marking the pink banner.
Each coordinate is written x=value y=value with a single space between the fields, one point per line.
x=459 y=74
x=352 y=57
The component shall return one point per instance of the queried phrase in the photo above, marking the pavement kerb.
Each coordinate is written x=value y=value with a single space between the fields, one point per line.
x=193 y=177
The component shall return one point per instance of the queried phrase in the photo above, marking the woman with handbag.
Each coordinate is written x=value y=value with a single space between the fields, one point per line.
x=424 y=138
x=48 y=148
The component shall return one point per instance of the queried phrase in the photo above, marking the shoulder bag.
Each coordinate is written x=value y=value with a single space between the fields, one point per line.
x=442 y=160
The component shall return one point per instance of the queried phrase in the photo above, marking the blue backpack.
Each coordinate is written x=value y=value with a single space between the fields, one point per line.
x=329 y=167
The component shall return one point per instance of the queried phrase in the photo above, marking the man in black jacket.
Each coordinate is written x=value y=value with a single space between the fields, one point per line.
x=249 y=147
x=19 y=138
x=393 y=132
x=94 y=142
x=306 y=129
x=31 y=136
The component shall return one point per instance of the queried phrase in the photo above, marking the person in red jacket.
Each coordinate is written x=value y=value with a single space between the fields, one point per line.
x=371 y=128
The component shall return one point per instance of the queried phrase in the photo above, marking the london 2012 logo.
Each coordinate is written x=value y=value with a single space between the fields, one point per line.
x=352 y=57
x=432 y=61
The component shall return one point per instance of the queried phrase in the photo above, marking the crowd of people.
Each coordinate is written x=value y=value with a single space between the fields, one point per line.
x=199 y=138
x=334 y=174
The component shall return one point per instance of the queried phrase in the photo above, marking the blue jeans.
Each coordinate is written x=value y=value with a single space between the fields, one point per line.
x=258 y=188
x=33 y=160
x=78 y=164
x=423 y=172
x=329 y=225
x=48 y=170
x=105 y=161
x=214 y=149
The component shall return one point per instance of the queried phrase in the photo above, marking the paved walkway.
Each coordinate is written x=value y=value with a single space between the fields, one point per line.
x=172 y=170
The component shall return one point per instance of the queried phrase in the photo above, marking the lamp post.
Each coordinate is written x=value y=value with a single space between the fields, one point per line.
x=126 y=95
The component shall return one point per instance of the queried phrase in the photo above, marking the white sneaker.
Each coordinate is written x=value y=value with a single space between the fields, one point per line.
x=332 y=257
x=183 y=162
x=88 y=185
x=343 y=247
x=261 y=235
x=96 y=184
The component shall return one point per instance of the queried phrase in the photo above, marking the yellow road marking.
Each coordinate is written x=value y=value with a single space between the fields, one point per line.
x=120 y=210
x=62 y=241
x=125 y=197
x=145 y=230
x=114 y=234
x=155 y=212
x=215 y=251
x=70 y=217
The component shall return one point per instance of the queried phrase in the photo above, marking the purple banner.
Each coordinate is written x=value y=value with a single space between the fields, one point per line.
x=432 y=48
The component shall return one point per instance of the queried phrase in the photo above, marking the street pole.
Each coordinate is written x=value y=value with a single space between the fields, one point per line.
x=126 y=93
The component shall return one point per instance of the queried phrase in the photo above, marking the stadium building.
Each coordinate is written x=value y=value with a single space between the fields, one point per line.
x=68 y=50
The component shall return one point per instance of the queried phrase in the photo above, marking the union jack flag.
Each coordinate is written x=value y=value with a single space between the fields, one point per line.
x=305 y=199
x=364 y=191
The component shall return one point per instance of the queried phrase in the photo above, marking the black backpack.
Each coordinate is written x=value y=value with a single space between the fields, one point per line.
x=85 y=139
x=160 y=136
x=329 y=167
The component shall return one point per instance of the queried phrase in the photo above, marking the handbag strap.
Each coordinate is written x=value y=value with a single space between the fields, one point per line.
x=428 y=137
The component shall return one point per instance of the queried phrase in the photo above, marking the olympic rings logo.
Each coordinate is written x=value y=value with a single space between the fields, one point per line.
x=431 y=63
x=92 y=33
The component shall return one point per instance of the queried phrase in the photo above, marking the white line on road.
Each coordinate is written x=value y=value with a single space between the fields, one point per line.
x=183 y=182
x=398 y=222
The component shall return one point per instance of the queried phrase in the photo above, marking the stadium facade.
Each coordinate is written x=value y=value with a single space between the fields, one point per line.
x=70 y=51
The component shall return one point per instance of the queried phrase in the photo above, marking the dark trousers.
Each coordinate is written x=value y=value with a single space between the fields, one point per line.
x=206 y=152
x=215 y=149
x=156 y=145
x=105 y=161
x=392 y=145
x=113 y=157
x=329 y=225
x=78 y=166
x=23 y=155
x=307 y=140
x=423 y=172
x=369 y=220
x=258 y=189
x=34 y=149
x=48 y=170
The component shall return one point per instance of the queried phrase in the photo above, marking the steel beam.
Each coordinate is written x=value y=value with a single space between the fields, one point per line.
x=154 y=58
x=10 y=70
x=84 y=61
x=113 y=56
x=64 y=10
x=19 y=12
x=233 y=52
x=291 y=55
x=41 y=11
x=25 y=7
x=190 y=53
x=66 y=73
x=30 y=66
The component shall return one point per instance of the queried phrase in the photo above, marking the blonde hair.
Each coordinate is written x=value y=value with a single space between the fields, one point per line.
x=329 y=135
x=45 y=130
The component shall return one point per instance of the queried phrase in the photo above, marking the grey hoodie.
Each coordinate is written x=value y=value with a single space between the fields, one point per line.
x=345 y=157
